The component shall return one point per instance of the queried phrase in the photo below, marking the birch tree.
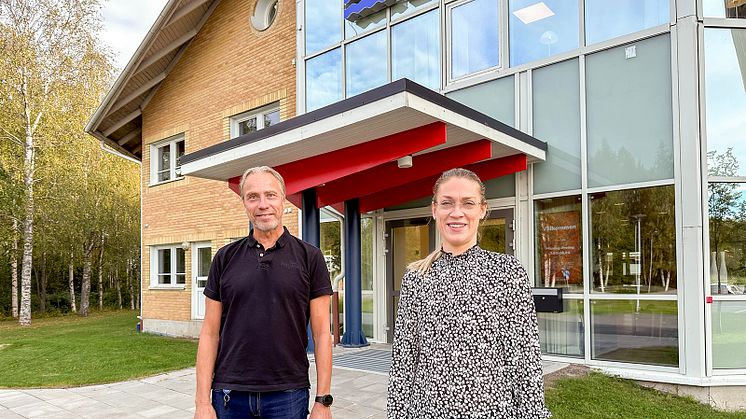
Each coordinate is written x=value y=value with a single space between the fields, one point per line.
x=46 y=47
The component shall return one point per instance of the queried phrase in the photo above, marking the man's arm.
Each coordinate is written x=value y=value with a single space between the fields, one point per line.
x=322 y=341
x=207 y=352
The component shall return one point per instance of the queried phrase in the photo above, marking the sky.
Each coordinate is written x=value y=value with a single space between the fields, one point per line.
x=125 y=24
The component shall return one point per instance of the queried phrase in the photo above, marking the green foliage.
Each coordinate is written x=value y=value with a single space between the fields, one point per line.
x=599 y=396
x=54 y=71
x=71 y=351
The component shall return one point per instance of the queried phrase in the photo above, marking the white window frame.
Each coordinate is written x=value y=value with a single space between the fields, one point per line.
x=174 y=171
x=449 y=43
x=259 y=113
x=154 y=252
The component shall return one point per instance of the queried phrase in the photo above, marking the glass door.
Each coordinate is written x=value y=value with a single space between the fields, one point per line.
x=497 y=232
x=201 y=259
x=406 y=241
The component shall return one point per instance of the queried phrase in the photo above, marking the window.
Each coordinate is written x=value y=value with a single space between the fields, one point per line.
x=727 y=9
x=563 y=333
x=495 y=99
x=728 y=334
x=629 y=113
x=366 y=63
x=404 y=8
x=633 y=239
x=165 y=159
x=474 y=37
x=167 y=266
x=368 y=23
x=255 y=120
x=725 y=88
x=603 y=21
x=636 y=331
x=556 y=120
x=726 y=152
x=323 y=79
x=415 y=46
x=265 y=13
x=541 y=29
x=559 y=249
x=323 y=24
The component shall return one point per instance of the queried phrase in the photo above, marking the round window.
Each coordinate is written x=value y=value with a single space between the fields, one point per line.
x=265 y=12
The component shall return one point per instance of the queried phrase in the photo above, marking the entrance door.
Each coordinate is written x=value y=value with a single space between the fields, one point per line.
x=497 y=232
x=201 y=259
x=406 y=241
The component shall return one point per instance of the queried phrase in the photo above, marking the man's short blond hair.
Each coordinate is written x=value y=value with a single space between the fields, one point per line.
x=262 y=169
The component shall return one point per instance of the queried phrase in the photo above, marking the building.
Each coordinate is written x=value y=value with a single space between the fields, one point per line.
x=630 y=202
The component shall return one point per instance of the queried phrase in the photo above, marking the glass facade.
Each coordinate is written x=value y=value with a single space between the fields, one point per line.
x=729 y=334
x=724 y=9
x=415 y=50
x=629 y=113
x=366 y=64
x=725 y=107
x=633 y=238
x=414 y=32
x=603 y=22
x=556 y=119
x=495 y=99
x=563 y=333
x=539 y=30
x=559 y=245
x=635 y=331
x=474 y=37
x=321 y=30
x=608 y=112
x=725 y=94
x=324 y=79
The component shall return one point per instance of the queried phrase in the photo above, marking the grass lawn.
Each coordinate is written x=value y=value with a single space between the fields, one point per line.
x=599 y=396
x=73 y=351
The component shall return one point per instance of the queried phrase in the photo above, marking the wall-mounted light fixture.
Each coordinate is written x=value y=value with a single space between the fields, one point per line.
x=404 y=162
x=185 y=246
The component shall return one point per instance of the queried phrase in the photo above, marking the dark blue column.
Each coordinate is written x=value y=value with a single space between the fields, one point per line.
x=354 y=336
x=311 y=218
x=311 y=234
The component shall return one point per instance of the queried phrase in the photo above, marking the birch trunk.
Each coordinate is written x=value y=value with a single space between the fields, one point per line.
x=14 y=271
x=119 y=288
x=29 y=160
x=130 y=280
x=85 y=288
x=101 y=274
x=71 y=283
x=42 y=284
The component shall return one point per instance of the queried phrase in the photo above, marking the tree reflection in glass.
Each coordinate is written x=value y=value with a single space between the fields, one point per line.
x=727 y=210
x=633 y=234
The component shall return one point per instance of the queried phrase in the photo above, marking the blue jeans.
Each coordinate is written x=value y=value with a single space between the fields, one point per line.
x=289 y=404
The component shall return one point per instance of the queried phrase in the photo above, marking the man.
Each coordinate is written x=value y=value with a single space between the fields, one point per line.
x=261 y=292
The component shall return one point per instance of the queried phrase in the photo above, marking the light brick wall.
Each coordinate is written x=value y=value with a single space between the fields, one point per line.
x=229 y=68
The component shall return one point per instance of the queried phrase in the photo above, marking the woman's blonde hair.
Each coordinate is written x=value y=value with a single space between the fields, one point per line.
x=423 y=265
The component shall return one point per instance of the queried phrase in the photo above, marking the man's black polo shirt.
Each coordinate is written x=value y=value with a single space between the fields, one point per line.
x=266 y=296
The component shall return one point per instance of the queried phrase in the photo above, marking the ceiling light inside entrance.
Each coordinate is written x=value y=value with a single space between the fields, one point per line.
x=533 y=13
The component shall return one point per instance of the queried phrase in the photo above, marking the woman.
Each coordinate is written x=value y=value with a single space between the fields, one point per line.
x=466 y=342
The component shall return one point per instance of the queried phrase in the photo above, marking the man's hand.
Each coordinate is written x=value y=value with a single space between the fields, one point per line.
x=320 y=411
x=205 y=411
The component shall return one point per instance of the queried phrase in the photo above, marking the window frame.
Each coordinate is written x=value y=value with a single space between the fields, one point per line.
x=448 y=46
x=259 y=113
x=174 y=170
x=155 y=252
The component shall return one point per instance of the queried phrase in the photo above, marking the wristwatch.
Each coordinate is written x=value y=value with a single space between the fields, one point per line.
x=326 y=400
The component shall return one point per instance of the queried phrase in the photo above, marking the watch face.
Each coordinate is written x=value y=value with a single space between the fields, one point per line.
x=326 y=400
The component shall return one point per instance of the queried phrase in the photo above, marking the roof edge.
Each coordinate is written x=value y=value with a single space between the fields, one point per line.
x=132 y=64
x=376 y=94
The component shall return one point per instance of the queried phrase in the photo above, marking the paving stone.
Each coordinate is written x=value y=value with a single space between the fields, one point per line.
x=358 y=394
